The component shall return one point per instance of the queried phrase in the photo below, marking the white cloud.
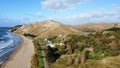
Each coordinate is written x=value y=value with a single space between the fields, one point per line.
x=61 y=4
x=38 y=15
x=31 y=17
x=23 y=18
x=95 y=16
x=8 y=22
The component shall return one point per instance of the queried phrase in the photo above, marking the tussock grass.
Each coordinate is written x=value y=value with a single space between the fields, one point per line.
x=108 y=62
x=112 y=62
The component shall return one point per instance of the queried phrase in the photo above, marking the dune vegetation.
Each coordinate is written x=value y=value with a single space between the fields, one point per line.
x=37 y=60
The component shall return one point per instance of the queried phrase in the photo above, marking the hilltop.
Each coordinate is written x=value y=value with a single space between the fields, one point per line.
x=47 y=28
x=50 y=28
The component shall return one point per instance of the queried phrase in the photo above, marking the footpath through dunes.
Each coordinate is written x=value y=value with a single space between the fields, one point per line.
x=21 y=58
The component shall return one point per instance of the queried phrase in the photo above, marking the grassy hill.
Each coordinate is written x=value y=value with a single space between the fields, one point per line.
x=47 y=29
x=96 y=26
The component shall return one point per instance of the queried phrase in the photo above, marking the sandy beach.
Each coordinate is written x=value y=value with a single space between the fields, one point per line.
x=21 y=58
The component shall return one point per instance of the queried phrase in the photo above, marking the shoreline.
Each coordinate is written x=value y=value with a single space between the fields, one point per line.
x=16 y=58
x=14 y=53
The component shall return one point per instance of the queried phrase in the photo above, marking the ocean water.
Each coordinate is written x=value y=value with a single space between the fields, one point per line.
x=8 y=43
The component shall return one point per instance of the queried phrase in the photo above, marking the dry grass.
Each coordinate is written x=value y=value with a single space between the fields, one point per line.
x=55 y=65
x=109 y=62
x=112 y=62
x=47 y=29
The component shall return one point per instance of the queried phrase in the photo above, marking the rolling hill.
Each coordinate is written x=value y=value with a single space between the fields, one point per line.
x=47 y=29
x=99 y=26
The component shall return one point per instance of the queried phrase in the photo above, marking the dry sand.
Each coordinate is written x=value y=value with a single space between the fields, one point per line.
x=21 y=58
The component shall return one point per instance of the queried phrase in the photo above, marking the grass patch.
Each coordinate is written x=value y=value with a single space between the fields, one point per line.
x=37 y=61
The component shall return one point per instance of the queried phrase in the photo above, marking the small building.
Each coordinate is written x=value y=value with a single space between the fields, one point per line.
x=51 y=45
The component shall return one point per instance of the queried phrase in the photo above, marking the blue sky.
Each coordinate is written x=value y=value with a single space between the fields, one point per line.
x=14 y=12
